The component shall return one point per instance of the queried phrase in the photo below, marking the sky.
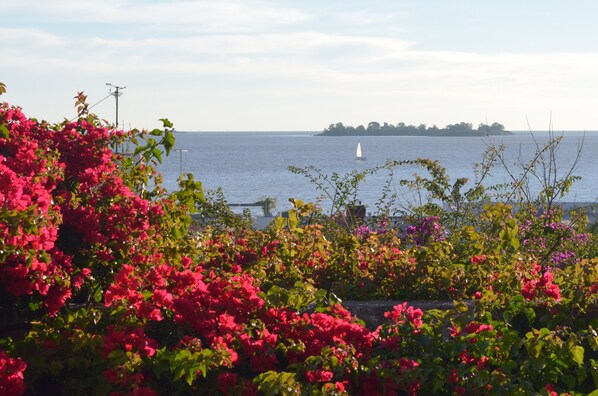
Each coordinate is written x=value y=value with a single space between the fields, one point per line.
x=265 y=65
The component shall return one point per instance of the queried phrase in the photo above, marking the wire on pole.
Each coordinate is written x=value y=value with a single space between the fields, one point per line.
x=92 y=106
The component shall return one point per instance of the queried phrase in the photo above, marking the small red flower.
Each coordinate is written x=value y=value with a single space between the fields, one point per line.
x=478 y=259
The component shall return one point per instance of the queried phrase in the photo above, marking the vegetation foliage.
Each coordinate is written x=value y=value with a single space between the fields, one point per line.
x=109 y=286
x=401 y=129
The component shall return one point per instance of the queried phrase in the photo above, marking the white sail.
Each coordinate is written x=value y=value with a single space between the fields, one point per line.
x=358 y=154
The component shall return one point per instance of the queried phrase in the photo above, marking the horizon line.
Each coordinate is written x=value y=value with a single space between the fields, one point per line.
x=319 y=131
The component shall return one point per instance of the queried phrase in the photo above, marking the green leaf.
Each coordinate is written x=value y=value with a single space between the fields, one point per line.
x=293 y=220
x=535 y=351
x=461 y=306
x=147 y=295
x=191 y=374
x=178 y=372
x=157 y=154
x=272 y=383
x=543 y=332
x=204 y=371
x=569 y=381
x=117 y=355
x=538 y=364
x=594 y=371
x=515 y=243
x=509 y=366
x=577 y=352
x=280 y=223
x=137 y=150
x=166 y=123
x=438 y=384
x=581 y=374
x=98 y=295
x=4 y=132
x=169 y=141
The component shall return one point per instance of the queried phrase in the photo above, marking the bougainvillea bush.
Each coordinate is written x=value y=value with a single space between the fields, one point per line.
x=106 y=289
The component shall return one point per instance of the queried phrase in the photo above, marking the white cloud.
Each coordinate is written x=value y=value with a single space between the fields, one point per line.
x=20 y=37
x=367 y=19
x=228 y=55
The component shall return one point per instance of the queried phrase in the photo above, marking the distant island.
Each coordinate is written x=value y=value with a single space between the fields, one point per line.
x=385 y=129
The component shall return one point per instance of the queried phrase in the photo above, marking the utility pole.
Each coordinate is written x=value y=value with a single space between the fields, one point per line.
x=181 y=151
x=116 y=94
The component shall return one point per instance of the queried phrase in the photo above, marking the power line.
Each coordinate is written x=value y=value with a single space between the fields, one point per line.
x=109 y=95
x=91 y=107
x=116 y=93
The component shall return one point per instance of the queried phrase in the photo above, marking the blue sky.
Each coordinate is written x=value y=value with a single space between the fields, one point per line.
x=302 y=65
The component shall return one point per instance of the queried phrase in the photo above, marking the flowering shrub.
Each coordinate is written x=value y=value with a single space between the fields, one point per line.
x=104 y=290
x=425 y=231
x=11 y=375
x=29 y=173
x=552 y=241
x=540 y=284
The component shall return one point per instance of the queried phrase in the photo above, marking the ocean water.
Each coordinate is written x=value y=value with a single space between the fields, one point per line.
x=249 y=166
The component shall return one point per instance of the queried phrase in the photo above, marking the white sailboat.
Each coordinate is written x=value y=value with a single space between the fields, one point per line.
x=358 y=154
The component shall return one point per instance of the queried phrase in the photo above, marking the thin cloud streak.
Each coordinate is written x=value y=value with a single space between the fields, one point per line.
x=379 y=58
x=207 y=16
x=17 y=37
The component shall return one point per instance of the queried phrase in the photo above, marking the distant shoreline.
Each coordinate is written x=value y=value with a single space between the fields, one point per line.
x=461 y=129
x=473 y=134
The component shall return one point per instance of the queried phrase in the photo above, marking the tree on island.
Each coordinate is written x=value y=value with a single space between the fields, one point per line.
x=374 y=128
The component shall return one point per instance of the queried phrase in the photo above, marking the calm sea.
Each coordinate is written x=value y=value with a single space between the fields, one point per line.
x=250 y=166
